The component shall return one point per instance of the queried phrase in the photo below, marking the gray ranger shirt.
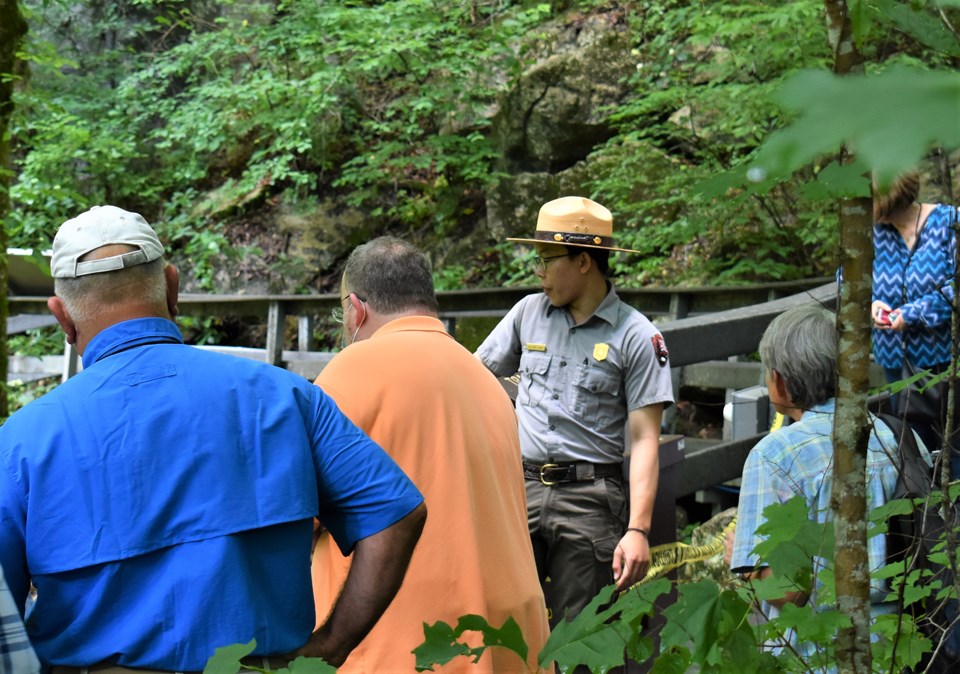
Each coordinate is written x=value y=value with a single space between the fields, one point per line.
x=578 y=382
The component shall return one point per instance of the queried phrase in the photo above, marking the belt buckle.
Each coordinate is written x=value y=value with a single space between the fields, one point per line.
x=544 y=467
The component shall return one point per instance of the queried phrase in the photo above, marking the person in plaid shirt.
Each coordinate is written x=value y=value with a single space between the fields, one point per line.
x=16 y=653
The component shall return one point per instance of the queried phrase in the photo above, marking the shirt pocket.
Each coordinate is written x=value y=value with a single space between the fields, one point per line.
x=596 y=392
x=534 y=368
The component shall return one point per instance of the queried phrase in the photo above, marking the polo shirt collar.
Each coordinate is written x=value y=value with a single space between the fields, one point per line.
x=411 y=324
x=130 y=334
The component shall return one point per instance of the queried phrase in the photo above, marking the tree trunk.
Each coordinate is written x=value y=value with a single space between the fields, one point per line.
x=12 y=30
x=850 y=434
x=851 y=427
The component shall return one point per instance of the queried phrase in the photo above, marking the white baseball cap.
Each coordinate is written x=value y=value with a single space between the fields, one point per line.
x=98 y=227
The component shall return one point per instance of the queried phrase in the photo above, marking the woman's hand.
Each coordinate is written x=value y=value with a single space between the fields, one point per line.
x=885 y=318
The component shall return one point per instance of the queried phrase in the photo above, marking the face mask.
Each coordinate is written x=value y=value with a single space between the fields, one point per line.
x=343 y=338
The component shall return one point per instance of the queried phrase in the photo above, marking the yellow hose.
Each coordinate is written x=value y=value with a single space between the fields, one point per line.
x=667 y=557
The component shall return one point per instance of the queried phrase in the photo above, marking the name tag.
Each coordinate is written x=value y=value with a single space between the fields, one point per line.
x=536 y=347
x=600 y=351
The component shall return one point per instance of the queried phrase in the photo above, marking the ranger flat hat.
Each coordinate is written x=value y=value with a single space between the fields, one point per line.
x=98 y=227
x=575 y=221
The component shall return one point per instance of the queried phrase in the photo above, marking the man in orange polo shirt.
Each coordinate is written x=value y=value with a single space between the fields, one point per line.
x=450 y=426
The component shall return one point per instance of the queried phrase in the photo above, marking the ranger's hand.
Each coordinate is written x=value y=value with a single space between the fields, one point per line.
x=631 y=559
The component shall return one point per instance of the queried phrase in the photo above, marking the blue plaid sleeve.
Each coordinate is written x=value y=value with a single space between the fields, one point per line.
x=16 y=653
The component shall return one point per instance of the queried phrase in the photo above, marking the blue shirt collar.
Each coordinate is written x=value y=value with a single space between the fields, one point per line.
x=129 y=334
x=826 y=407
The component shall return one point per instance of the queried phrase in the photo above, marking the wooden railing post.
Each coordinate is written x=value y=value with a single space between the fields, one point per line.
x=305 y=333
x=276 y=321
x=679 y=305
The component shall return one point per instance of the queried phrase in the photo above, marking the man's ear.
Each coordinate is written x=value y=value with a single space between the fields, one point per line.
x=173 y=289
x=584 y=262
x=59 y=311
x=780 y=385
x=360 y=307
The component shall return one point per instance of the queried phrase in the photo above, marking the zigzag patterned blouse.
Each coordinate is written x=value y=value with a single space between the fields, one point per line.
x=920 y=285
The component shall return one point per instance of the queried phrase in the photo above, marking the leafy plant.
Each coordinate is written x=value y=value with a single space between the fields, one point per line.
x=702 y=104
x=20 y=392
x=708 y=627
x=441 y=644
x=36 y=342
x=227 y=660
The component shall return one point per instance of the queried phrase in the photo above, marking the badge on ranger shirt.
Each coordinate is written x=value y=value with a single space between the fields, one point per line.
x=600 y=351
x=660 y=349
x=536 y=347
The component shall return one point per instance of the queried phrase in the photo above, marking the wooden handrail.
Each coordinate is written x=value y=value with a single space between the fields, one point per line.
x=658 y=303
x=712 y=330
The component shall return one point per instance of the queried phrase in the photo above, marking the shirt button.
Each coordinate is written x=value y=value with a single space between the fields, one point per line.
x=556 y=396
x=552 y=427
x=563 y=363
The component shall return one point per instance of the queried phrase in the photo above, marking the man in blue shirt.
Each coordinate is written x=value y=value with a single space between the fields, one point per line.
x=162 y=501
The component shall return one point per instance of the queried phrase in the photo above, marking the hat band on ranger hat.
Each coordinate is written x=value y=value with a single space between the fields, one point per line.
x=574 y=221
x=574 y=239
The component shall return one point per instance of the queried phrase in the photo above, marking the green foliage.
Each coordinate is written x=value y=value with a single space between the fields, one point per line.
x=707 y=628
x=36 y=342
x=441 y=642
x=598 y=637
x=702 y=104
x=603 y=632
x=20 y=393
x=199 y=331
x=449 y=278
x=226 y=660
x=890 y=117
x=194 y=111
x=798 y=540
x=154 y=104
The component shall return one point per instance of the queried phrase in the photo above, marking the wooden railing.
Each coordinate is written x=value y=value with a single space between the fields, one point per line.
x=663 y=304
x=700 y=325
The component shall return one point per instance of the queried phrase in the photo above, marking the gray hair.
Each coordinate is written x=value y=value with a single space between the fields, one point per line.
x=801 y=345
x=391 y=275
x=85 y=297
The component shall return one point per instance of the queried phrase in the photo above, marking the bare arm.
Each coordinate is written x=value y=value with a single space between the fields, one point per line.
x=379 y=564
x=631 y=559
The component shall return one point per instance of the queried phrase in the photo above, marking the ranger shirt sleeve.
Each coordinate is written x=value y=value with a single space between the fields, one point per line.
x=647 y=378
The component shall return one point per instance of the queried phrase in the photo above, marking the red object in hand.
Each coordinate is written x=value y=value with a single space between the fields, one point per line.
x=885 y=317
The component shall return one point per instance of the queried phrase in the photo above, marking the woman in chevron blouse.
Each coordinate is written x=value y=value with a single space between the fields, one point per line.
x=914 y=252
